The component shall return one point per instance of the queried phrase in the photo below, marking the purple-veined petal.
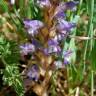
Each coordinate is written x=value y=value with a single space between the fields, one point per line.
x=33 y=72
x=43 y=3
x=27 y=48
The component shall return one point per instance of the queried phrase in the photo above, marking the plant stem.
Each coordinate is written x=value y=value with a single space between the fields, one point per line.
x=92 y=83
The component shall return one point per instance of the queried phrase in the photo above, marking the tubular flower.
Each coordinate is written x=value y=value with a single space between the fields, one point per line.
x=33 y=72
x=52 y=49
x=27 y=48
x=65 y=6
x=70 y=5
x=67 y=55
x=56 y=34
x=32 y=26
x=43 y=3
x=64 y=26
x=66 y=60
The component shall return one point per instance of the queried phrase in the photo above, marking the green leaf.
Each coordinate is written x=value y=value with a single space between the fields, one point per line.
x=12 y=78
x=10 y=57
x=93 y=57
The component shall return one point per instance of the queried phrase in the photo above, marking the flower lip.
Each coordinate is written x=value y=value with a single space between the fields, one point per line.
x=35 y=24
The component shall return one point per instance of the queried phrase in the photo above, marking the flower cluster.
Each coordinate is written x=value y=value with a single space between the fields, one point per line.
x=59 y=25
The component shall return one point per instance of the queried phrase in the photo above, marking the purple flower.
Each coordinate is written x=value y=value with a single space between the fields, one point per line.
x=55 y=40
x=27 y=48
x=67 y=55
x=43 y=3
x=59 y=63
x=64 y=26
x=65 y=6
x=33 y=26
x=70 y=5
x=33 y=72
x=52 y=49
